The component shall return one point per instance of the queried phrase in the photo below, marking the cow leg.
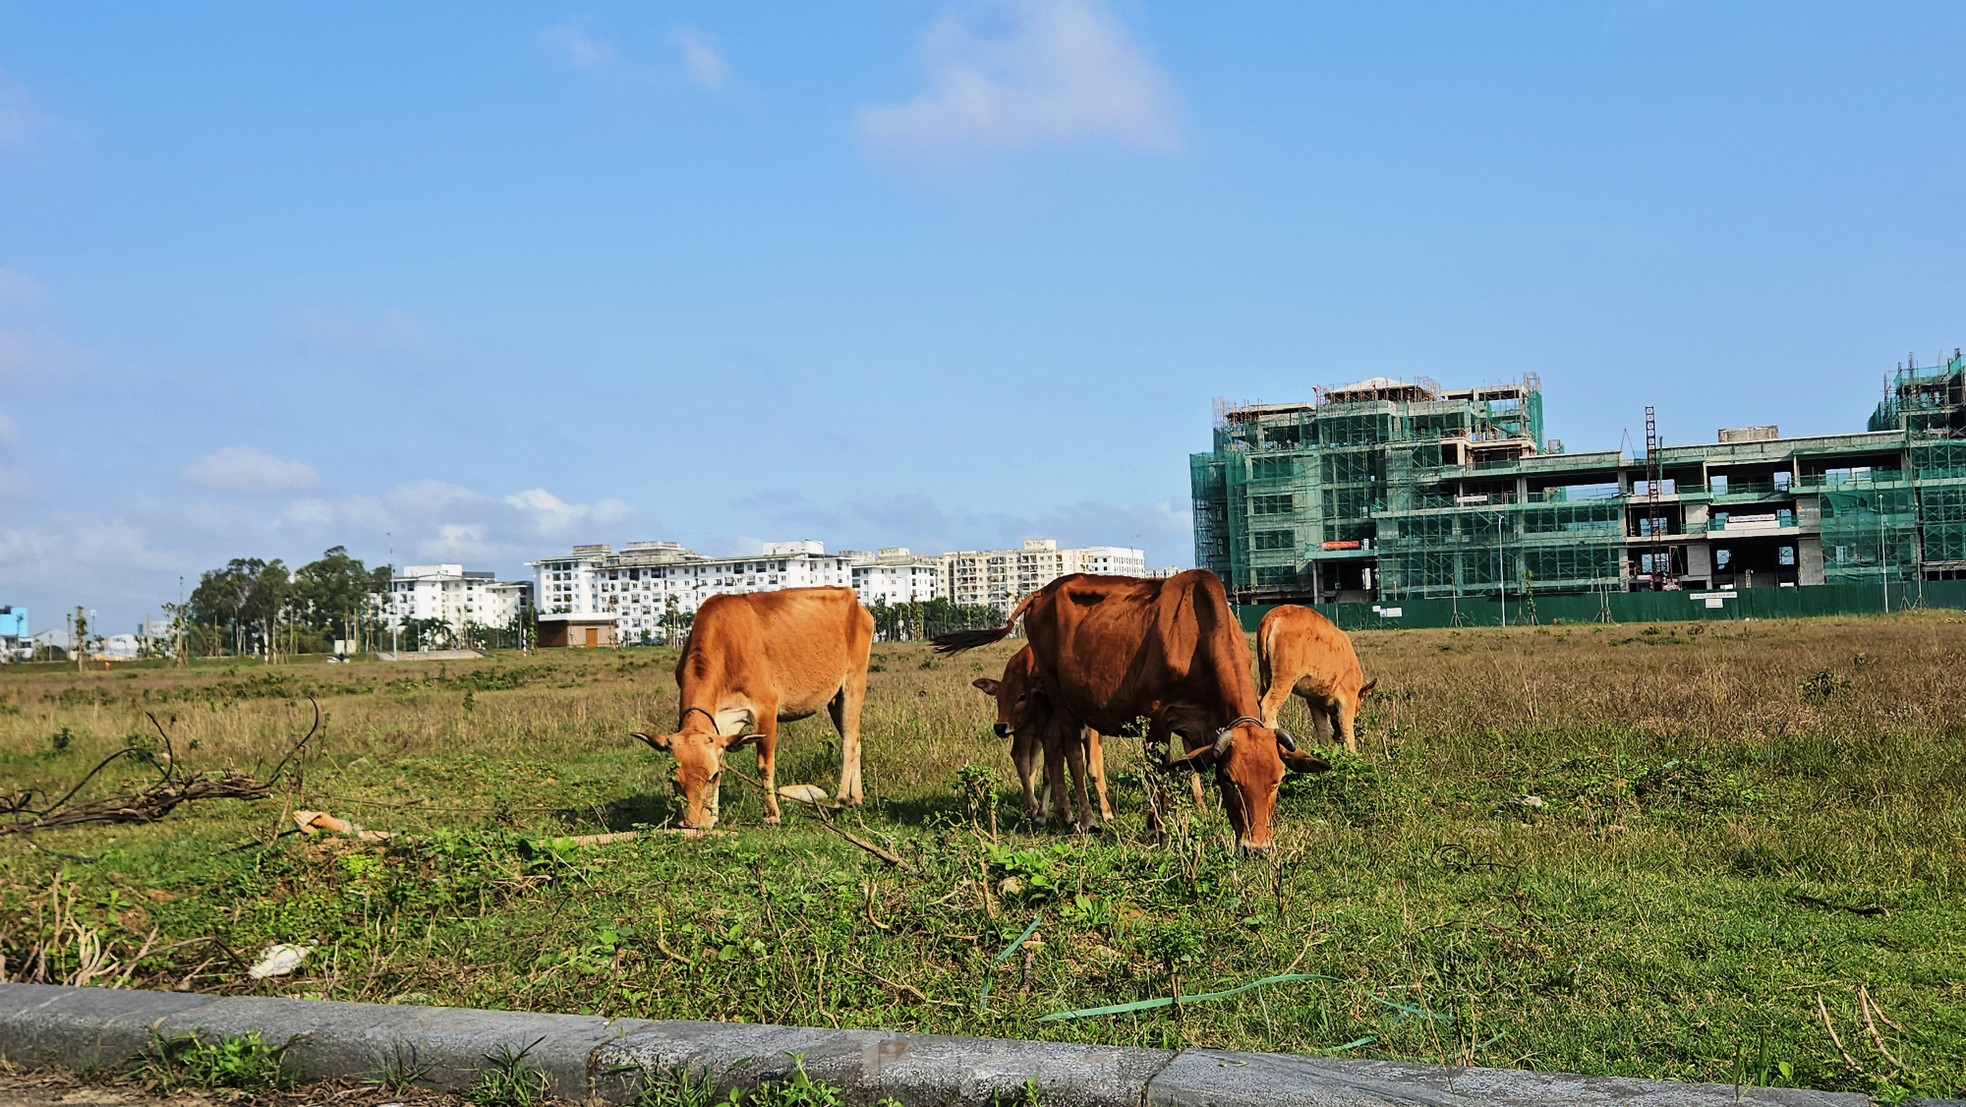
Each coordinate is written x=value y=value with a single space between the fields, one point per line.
x=1275 y=694
x=1095 y=758
x=1026 y=753
x=1075 y=760
x=1056 y=791
x=1321 y=729
x=766 y=722
x=845 y=710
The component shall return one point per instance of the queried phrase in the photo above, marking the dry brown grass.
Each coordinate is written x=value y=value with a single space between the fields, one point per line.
x=1727 y=821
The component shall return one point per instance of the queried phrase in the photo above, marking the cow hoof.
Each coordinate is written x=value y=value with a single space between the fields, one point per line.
x=771 y=820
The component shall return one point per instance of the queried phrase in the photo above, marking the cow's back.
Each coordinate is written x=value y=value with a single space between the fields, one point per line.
x=1119 y=648
x=794 y=646
x=1300 y=645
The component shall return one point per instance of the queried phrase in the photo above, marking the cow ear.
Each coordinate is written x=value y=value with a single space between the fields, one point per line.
x=734 y=744
x=1298 y=762
x=659 y=742
x=1196 y=759
x=986 y=686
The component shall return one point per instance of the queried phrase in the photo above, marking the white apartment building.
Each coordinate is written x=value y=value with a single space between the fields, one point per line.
x=457 y=597
x=644 y=585
x=895 y=575
x=999 y=578
x=1111 y=561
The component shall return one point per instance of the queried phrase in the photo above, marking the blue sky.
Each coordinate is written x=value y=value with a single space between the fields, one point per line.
x=483 y=280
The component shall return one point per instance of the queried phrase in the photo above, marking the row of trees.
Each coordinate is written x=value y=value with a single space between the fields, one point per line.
x=260 y=607
x=917 y=620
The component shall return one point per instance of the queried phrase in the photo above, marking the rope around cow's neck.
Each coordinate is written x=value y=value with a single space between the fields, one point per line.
x=1233 y=723
x=700 y=711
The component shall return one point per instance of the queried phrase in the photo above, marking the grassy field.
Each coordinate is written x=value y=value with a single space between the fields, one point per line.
x=1680 y=852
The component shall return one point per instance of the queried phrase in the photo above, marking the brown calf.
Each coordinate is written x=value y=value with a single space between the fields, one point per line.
x=1025 y=716
x=1301 y=651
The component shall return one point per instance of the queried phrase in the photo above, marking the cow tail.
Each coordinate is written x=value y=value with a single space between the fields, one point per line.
x=956 y=641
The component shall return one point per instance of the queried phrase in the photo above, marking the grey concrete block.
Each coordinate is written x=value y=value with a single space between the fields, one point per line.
x=1215 y=1078
x=447 y=1046
x=51 y=1026
x=920 y=1070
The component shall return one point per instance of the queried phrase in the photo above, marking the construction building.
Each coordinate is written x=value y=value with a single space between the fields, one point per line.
x=1390 y=493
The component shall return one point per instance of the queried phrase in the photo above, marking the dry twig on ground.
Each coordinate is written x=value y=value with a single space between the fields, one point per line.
x=150 y=802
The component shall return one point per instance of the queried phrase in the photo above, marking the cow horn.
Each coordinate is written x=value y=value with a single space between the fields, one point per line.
x=1286 y=740
x=1224 y=738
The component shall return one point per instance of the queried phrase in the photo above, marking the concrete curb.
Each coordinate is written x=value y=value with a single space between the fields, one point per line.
x=609 y=1060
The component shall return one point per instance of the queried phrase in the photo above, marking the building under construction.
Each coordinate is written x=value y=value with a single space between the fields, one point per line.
x=1393 y=493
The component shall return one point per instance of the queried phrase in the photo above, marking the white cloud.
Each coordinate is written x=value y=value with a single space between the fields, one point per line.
x=573 y=45
x=20 y=121
x=9 y=436
x=19 y=292
x=382 y=332
x=30 y=352
x=463 y=542
x=706 y=66
x=1063 y=71
x=29 y=355
x=552 y=516
x=432 y=497
x=247 y=469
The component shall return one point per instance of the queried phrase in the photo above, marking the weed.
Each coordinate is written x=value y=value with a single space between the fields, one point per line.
x=506 y=1080
x=797 y=1090
x=1821 y=688
x=401 y=1068
x=241 y=1062
x=678 y=1087
x=60 y=740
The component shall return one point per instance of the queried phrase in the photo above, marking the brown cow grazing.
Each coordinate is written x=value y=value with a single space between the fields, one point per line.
x=1301 y=651
x=1025 y=716
x=753 y=661
x=1110 y=650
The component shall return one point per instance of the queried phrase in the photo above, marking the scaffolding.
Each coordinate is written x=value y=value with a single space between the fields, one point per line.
x=1391 y=490
x=1938 y=467
x=1290 y=497
x=1870 y=533
x=1928 y=399
x=1441 y=549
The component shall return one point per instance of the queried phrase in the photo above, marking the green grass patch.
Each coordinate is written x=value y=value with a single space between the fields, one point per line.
x=1549 y=853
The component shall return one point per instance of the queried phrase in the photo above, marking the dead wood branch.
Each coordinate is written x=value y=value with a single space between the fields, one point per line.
x=1831 y=1027
x=152 y=802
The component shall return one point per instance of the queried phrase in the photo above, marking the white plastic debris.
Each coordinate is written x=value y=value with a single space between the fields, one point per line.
x=803 y=793
x=279 y=961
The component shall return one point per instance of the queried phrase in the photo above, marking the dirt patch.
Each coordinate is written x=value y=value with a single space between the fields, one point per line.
x=42 y=1089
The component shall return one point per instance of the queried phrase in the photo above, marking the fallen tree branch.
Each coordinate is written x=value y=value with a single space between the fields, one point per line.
x=151 y=802
x=1831 y=1027
x=826 y=819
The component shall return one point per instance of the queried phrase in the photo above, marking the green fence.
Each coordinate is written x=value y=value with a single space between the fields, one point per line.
x=1636 y=607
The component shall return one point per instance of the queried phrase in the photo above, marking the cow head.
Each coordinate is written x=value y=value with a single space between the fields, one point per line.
x=1250 y=760
x=1019 y=695
x=699 y=752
